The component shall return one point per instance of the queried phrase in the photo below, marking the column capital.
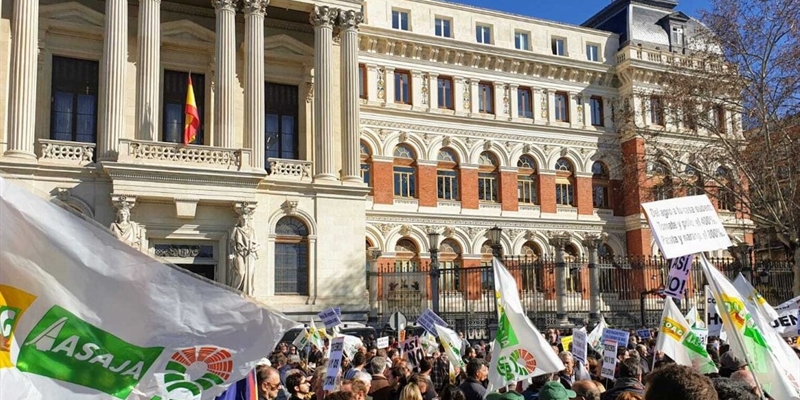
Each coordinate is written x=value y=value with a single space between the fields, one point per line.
x=323 y=16
x=558 y=239
x=593 y=240
x=224 y=4
x=123 y=201
x=350 y=19
x=258 y=7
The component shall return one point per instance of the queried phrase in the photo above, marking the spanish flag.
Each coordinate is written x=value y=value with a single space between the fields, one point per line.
x=192 y=116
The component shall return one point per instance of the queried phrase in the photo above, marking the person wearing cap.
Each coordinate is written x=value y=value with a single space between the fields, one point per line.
x=730 y=363
x=554 y=390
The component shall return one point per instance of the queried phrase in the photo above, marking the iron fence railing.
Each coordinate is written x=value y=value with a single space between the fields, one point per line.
x=628 y=289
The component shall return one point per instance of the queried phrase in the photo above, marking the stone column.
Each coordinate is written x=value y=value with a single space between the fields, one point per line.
x=559 y=240
x=254 y=80
x=225 y=68
x=593 y=241
x=323 y=18
x=351 y=157
x=373 y=255
x=112 y=80
x=513 y=102
x=148 y=72
x=24 y=66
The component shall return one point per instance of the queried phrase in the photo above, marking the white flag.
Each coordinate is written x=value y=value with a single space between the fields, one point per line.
x=594 y=338
x=694 y=319
x=94 y=318
x=783 y=318
x=747 y=339
x=452 y=345
x=677 y=340
x=519 y=350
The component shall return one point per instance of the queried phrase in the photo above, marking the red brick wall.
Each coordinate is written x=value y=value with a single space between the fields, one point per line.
x=616 y=196
x=583 y=195
x=383 y=182
x=635 y=185
x=427 y=189
x=469 y=188
x=638 y=242
x=547 y=193
x=508 y=191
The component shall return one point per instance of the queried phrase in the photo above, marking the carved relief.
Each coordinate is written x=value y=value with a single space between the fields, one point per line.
x=424 y=89
x=381 y=83
x=467 y=95
x=242 y=250
x=123 y=228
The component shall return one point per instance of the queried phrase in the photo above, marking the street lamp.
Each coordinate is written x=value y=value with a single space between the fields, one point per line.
x=433 y=242
x=494 y=236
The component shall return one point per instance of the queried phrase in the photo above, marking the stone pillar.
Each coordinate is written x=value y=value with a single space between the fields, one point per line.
x=24 y=66
x=148 y=71
x=373 y=254
x=323 y=18
x=593 y=241
x=559 y=240
x=351 y=157
x=513 y=102
x=500 y=100
x=112 y=79
x=433 y=91
x=225 y=67
x=254 y=79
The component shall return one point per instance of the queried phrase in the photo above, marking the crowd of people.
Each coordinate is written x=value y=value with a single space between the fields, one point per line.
x=384 y=374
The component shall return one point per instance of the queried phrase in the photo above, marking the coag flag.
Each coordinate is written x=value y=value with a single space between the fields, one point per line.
x=677 y=340
x=747 y=339
x=595 y=336
x=192 y=115
x=519 y=350
x=452 y=345
x=85 y=316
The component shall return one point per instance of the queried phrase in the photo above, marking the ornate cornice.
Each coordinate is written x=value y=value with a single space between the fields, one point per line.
x=484 y=224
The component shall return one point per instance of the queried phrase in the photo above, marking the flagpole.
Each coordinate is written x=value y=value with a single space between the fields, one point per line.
x=726 y=316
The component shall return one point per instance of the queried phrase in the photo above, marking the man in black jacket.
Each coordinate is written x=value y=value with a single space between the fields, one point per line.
x=629 y=380
x=477 y=372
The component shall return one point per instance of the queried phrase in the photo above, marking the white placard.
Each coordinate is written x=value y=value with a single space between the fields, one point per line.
x=579 y=345
x=335 y=363
x=619 y=336
x=713 y=320
x=412 y=349
x=330 y=318
x=686 y=225
x=429 y=320
x=383 y=342
x=609 y=359
x=679 y=269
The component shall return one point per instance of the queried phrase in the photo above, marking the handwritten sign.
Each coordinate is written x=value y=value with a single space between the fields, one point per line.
x=618 y=336
x=335 y=363
x=412 y=348
x=383 y=342
x=686 y=225
x=609 y=359
x=330 y=318
x=429 y=320
x=679 y=269
x=579 y=344
x=643 y=333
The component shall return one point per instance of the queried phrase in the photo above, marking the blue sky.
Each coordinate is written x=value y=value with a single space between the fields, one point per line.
x=569 y=11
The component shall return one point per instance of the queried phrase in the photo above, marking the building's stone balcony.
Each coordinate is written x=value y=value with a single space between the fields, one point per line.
x=59 y=152
x=291 y=170
x=665 y=58
x=177 y=154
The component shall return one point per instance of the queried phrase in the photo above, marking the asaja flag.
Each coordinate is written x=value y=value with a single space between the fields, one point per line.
x=519 y=350
x=85 y=316
x=192 y=116
x=677 y=340
x=782 y=318
x=452 y=345
x=595 y=336
x=694 y=319
x=315 y=336
x=747 y=339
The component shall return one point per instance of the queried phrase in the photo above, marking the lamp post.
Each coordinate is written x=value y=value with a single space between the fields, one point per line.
x=494 y=236
x=433 y=242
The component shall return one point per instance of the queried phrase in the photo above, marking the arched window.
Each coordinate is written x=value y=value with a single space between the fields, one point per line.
x=564 y=183
x=447 y=175
x=366 y=164
x=450 y=266
x=532 y=267
x=487 y=177
x=694 y=180
x=291 y=257
x=725 y=197
x=406 y=256
x=600 y=198
x=527 y=182
x=405 y=172
x=662 y=181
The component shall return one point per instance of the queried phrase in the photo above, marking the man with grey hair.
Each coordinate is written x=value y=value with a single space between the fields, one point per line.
x=586 y=390
x=567 y=376
x=380 y=388
x=746 y=377
x=364 y=377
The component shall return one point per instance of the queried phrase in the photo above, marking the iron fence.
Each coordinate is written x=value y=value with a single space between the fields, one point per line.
x=628 y=290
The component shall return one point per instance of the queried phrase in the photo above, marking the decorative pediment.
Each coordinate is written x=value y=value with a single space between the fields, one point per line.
x=186 y=31
x=285 y=45
x=73 y=13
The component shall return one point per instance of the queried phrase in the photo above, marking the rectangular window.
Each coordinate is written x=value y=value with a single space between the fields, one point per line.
x=487 y=187
x=521 y=41
x=719 y=118
x=447 y=184
x=405 y=184
x=442 y=27
x=600 y=196
x=559 y=46
x=485 y=98
x=676 y=40
x=281 y=137
x=400 y=20
x=526 y=190
x=402 y=87
x=656 y=110
x=291 y=268
x=366 y=173
x=445 y=92
x=562 y=107
x=563 y=194
x=73 y=115
x=596 y=109
x=525 y=102
x=362 y=81
x=176 y=85
x=483 y=34
x=592 y=52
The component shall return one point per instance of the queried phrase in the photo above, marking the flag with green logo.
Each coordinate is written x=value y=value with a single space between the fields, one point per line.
x=594 y=338
x=452 y=345
x=747 y=339
x=677 y=340
x=519 y=350
x=86 y=316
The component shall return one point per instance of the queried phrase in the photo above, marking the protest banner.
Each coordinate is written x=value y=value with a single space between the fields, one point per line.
x=679 y=269
x=566 y=341
x=412 y=349
x=643 y=333
x=330 y=318
x=618 y=336
x=579 y=345
x=686 y=225
x=609 y=359
x=713 y=320
x=334 y=363
x=702 y=335
x=428 y=320
x=383 y=342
